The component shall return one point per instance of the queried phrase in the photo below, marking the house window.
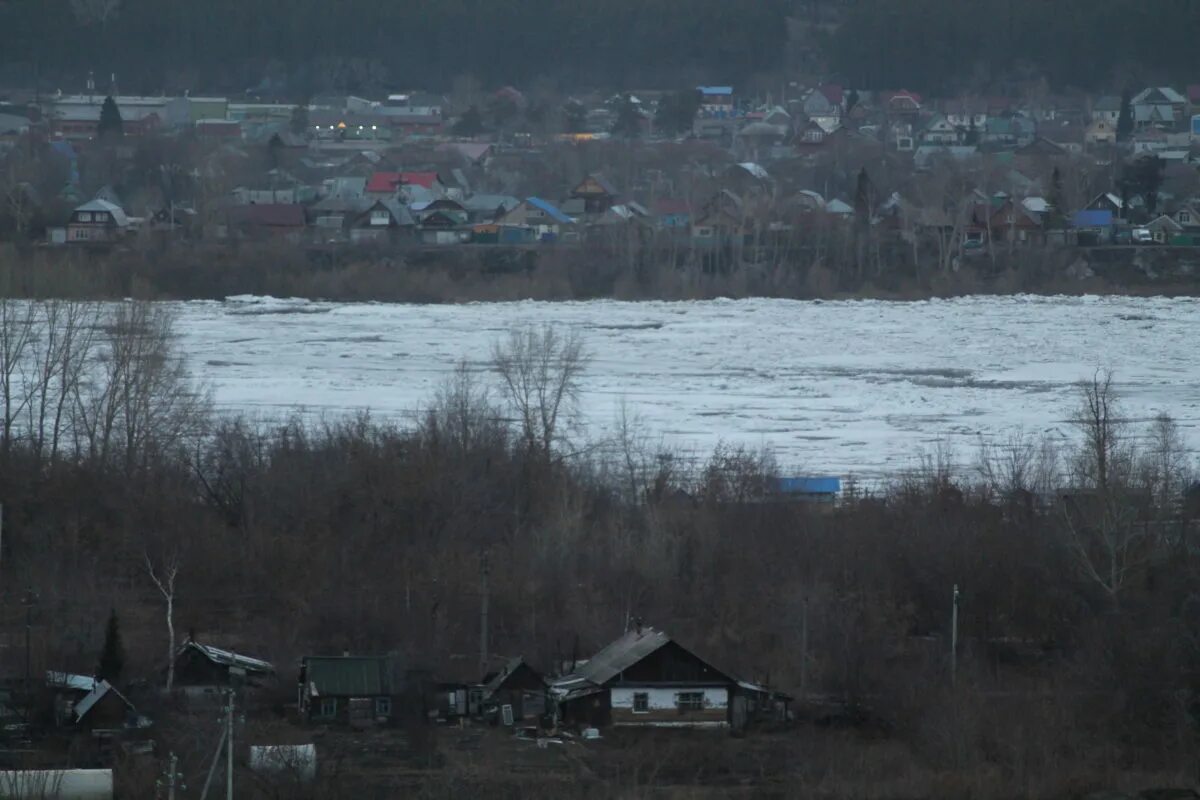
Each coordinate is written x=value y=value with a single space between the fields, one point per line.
x=704 y=232
x=383 y=706
x=85 y=216
x=328 y=708
x=380 y=217
x=689 y=701
x=641 y=703
x=1185 y=218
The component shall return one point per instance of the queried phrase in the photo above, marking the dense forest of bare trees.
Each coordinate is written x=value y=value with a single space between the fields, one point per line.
x=1076 y=564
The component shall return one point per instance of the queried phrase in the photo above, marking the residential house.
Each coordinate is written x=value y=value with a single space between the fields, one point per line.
x=903 y=137
x=716 y=101
x=759 y=139
x=901 y=104
x=672 y=213
x=646 y=679
x=67 y=690
x=98 y=222
x=1188 y=217
x=926 y=156
x=597 y=194
x=1015 y=224
x=482 y=208
x=748 y=179
x=1100 y=133
x=823 y=105
x=1164 y=228
x=810 y=136
x=721 y=221
x=966 y=113
x=940 y=131
x=359 y=690
x=105 y=709
x=1158 y=106
x=202 y=669
x=1107 y=109
x=1093 y=227
x=550 y=222
x=1106 y=201
x=385 y=220
x=1008 y=132
x=515 y=692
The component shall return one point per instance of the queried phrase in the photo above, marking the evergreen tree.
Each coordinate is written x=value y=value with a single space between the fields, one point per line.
x=469 y=124
x=112 y=657
x=1125 y=120
x=972 y=137
x=629 y=119
x=574 y=117
x=852 y=99
x=862 y=200
x=299 y=122
x=676 y=112
x=1056 y=218
x=111 y=126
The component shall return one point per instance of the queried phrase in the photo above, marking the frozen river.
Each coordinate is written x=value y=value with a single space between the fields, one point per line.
x=860 y=387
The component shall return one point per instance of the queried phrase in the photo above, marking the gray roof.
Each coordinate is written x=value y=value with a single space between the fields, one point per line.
x=1108 y=103
x=509 y=668
x=490 y=202
x=619 y=656
x=103 y=687
x=228 y=658
x=67 y=680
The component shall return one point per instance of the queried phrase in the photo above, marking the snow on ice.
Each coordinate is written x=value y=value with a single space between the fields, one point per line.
x=856 y=387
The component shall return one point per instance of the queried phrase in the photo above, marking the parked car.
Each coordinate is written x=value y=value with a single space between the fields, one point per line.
x=1142 y=236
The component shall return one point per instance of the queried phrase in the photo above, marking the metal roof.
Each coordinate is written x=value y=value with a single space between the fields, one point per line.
x=67 y=680
x=348 y=676
x=619 y=656
x=103 y=687
x=228 y=658
x=810 y=485
x=118 y=214
x=1092 y=219
x=550 y=210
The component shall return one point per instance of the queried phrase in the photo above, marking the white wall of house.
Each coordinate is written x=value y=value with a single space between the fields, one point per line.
x=665 y=699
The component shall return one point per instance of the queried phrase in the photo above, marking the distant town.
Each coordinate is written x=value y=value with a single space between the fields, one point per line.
x=860 y=183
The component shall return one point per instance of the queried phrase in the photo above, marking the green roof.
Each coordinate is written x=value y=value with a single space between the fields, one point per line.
x=349 y=676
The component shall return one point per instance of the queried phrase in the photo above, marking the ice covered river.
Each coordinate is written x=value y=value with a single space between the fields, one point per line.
x=859 y=387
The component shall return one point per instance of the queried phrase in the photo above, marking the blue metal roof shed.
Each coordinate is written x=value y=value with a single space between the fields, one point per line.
x=550 y=210
x=812 y=485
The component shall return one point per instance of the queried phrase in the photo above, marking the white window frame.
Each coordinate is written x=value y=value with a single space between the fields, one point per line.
x=686 y=703
x=704 y=231
x=1185 y=218
x=642 y=699
x=380 y=218
x=85 y=216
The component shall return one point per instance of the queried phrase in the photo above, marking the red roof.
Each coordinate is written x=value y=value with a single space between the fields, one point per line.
x=426 y=179
x=384 y=182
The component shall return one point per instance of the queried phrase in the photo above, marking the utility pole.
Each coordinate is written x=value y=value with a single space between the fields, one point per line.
x=28 y=629
x=954 y=638
x=483 y=613
x=229 y=748
x=172 y=776
x=804 y=650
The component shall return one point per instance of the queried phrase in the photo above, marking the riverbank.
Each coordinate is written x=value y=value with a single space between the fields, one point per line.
x=205 y=272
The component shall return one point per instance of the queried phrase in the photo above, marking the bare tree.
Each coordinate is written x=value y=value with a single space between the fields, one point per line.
x=540 y=370
x=59 y=358
x=462 y=413
x=1103 y=514
x=19 y=326
x=163 y=579
x=141 y=399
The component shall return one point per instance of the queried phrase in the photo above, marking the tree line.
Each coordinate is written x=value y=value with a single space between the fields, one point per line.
x=950 y=46
x=362 y=46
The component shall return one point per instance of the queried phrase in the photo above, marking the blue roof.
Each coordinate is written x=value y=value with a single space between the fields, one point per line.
x=550 y=210
x=716 y=89
x=814 y=485
x=1092 y=219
